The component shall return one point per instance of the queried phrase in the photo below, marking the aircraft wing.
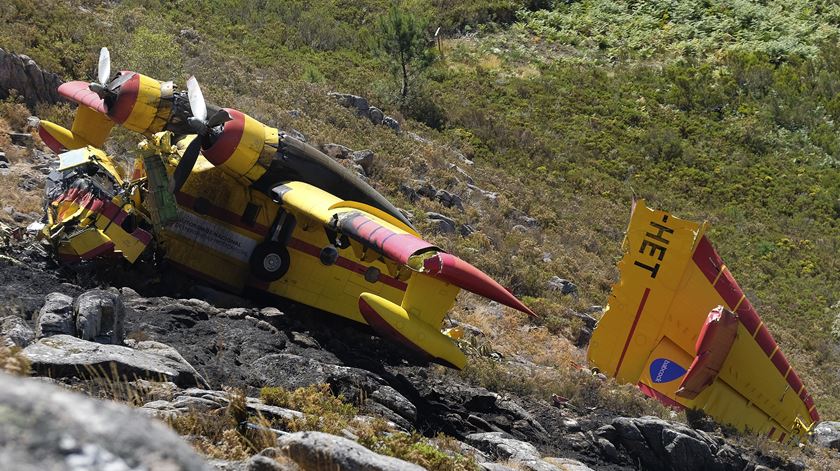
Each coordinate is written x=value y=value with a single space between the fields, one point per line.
x=379 y=233
x=91 y=125
x=679 y=326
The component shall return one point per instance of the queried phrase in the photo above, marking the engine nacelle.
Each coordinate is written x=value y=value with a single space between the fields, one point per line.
x=142 y=104
x=243 y=143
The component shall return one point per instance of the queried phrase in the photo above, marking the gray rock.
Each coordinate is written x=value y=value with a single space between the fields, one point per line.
x=562 y=285
x=47 y=427
x=827 y=434
x=567 y=464
x=264 y=463
x=571 y=425
x=15 y=332
x=62 y=356
x=501 y=446
x=21 y=73
x=391 y=123
x=409 y=192
x=441 y=223
x=449 y=200
x=425 y=188
x=356 y=102
x=390 y=398
x=56 y=316
x=466 y=230
x=467 y=178
x=490 y=196
x=336 y=151
x=363 y=158
x=195 y=403
x=271 y=412
x=22 y=139
x=100 y=316
x=189 y=34
x=375 y=115
x=495 y=467
x=319 y=451
x=297 y=135
x=662 y=445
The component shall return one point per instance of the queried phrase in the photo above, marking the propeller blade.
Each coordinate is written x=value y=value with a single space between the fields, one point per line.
x=220 y=117
x=197 y=105
x=185 y=165
x=104 y=71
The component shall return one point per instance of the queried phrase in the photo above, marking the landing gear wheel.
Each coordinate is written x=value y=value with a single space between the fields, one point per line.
x=269 y=261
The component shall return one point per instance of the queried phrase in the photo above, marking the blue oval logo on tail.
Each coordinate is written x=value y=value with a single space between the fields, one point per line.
x=663 y=370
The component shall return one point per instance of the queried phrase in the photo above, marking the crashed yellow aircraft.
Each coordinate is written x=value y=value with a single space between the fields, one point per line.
x=679 y=327
x=246 y=207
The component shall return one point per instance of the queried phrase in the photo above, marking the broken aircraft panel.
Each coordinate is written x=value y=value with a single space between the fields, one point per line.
x=680 y=328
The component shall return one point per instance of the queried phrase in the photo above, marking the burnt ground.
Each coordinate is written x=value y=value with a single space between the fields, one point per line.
x=236 y=342
x=249 y=344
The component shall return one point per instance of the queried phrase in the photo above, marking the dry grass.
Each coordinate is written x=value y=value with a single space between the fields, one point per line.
x=13 y=361
x=15 y=114
x=332 y=414
x=814 y=457
x=539 y=363
x=322 y=410
x=222 y=433
x=13 y=194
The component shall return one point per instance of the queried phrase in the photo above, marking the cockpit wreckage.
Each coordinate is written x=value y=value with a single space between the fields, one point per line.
x=680 y=328
x=246 y=206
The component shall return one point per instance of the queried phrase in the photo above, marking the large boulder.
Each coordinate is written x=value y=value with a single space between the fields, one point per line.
x=99 y=316
x=56 y=316
x=47 y=427
x=317 y=451
x=661 y=445
x=21 y=73
x=63 y=356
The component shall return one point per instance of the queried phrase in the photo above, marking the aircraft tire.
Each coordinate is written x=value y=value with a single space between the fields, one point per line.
x=269 y=261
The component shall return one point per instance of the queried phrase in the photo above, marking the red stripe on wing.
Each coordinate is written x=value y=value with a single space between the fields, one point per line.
x=79 y=92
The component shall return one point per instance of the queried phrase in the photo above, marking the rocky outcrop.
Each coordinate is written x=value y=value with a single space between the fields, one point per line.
x=46 y=427
x=360 y=161
x=62 y=356
x=363 y=109
x=56 y=316
x=319 y=451
x=291 y=345
x=99 y=316
x=195 y=399
x=19 y=72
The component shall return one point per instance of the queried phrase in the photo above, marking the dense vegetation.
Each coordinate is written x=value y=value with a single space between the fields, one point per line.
x=724 y=111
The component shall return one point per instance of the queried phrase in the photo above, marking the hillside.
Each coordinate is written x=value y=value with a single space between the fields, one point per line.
x=545 y=118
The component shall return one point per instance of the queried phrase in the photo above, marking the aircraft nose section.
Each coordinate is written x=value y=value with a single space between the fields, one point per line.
x=452 y=269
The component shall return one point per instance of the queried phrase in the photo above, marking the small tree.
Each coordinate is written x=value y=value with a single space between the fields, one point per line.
x=400 y=36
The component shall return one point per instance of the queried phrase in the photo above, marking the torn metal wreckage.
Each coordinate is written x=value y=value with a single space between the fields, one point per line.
x=228 y=199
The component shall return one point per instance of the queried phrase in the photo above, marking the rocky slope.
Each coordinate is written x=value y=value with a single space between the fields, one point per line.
x=196 y=349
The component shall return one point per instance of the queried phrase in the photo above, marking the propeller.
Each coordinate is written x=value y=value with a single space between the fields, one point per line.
x=102 y=73
x=204 y=129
